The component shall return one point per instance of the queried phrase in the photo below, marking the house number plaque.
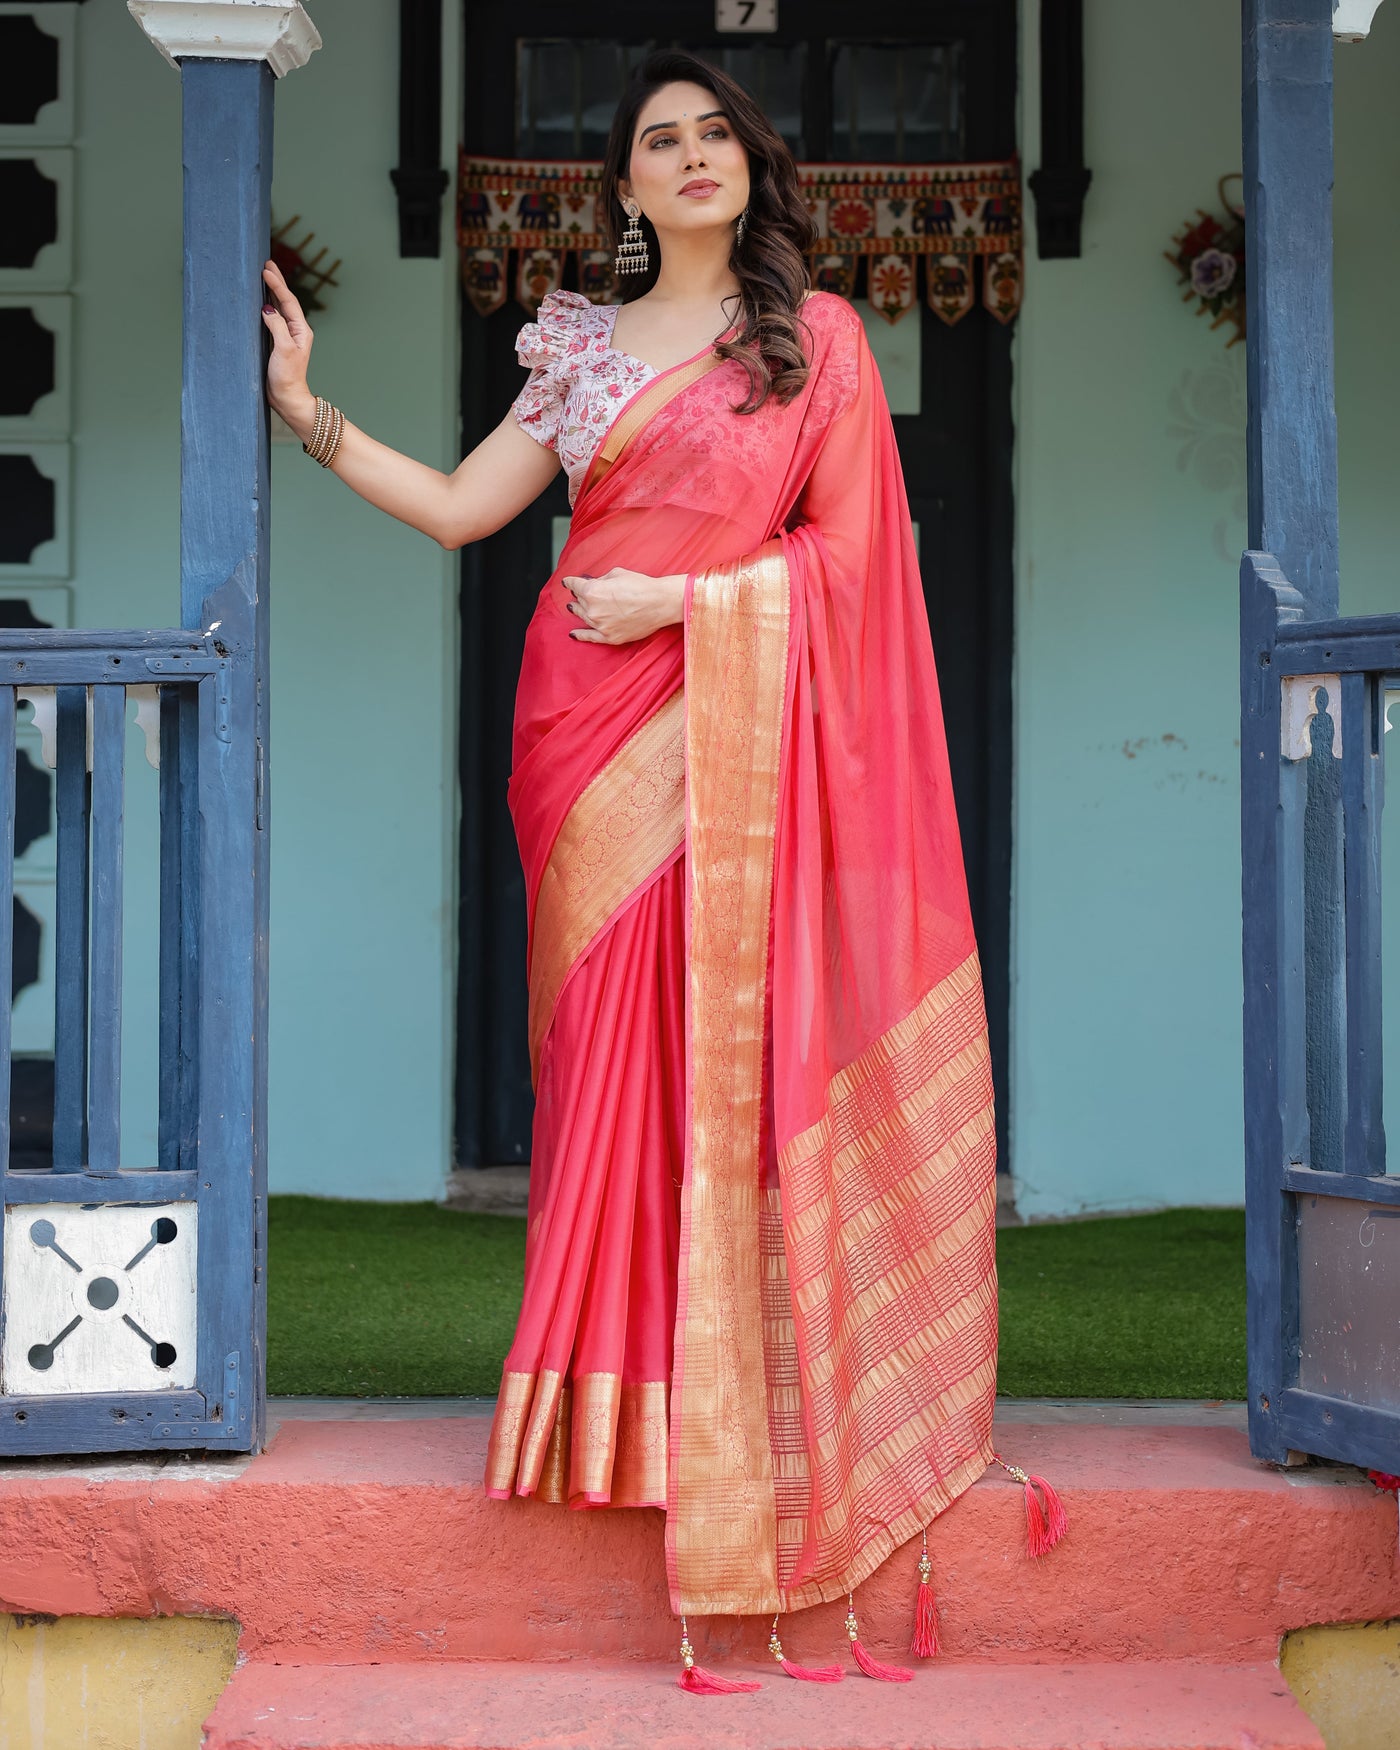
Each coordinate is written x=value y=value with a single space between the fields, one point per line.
x=746 y=14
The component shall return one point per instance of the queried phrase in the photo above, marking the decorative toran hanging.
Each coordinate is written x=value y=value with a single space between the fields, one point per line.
x=518 y=219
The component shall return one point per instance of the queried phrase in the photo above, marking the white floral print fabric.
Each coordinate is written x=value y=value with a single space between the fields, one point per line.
x=578 y=380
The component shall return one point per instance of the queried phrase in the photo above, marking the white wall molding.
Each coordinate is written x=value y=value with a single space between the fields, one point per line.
x=1351 y=19
x=279 y=32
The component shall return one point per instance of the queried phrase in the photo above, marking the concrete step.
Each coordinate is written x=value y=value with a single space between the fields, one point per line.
x=347 y=1541
x=1160 y=1705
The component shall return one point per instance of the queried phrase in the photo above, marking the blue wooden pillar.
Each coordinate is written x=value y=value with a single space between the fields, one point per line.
x=1294 y=951
x=224 y=492
x=1292 y=433
x=214 y=971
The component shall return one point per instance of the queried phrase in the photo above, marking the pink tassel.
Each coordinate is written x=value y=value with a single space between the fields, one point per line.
x=925 y=1642
x=804 y=1673
x=821 y=1674
x=1047 y=1522
x=1385 y=1480
x=698 y=1681
x=1044 y=1530
x=871 y=1667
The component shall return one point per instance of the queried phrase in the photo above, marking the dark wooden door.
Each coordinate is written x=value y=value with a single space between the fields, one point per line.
x=876 y=82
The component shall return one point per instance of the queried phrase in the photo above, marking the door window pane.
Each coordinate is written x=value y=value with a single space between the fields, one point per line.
x=568 y=88
x=773 y=75
x=896 y=103
x=566 y=92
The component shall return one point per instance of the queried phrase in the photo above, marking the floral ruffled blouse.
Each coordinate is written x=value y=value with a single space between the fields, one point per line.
x=578 y=380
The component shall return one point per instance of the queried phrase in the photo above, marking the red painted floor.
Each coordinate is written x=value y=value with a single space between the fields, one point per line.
x=1156 y=1706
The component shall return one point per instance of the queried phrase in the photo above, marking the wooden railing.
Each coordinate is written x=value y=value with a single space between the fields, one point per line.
x=85 y=676
x=1324 y=1276
x=203 y=1188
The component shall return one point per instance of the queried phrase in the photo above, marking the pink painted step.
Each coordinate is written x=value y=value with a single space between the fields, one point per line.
x=353 y=1541
x=1162 y=1705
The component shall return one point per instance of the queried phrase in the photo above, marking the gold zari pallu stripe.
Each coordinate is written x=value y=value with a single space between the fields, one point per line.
x=722 y=1527
x=907 y=1146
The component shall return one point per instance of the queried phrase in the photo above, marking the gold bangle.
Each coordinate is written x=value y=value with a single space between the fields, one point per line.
x=318 y=424
x=333 y=443
x=325 y=432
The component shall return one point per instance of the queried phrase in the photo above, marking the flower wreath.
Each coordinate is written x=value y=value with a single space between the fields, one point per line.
x=1208 y=255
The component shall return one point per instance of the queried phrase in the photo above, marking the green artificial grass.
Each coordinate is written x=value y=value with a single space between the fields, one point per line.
x=410 y=1299
x=1132 y=1306
x=389 y=1299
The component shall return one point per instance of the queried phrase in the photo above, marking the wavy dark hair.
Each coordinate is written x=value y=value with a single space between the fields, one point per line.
x=770 y=263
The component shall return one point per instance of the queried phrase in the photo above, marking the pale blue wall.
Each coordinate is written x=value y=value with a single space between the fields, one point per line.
x=1129 y=522
x=363 y=608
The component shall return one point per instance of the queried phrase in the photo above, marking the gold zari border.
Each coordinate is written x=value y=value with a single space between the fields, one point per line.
x=595 y=1438
x=721 y=1531
x=623 y=826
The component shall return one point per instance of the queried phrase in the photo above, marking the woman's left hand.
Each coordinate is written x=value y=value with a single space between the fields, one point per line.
x=621 y=606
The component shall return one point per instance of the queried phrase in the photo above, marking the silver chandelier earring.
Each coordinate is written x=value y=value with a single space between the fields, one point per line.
x=632 y=255
x=740 y=228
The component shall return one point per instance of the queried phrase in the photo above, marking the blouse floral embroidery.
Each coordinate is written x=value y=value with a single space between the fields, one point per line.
x=578 y=380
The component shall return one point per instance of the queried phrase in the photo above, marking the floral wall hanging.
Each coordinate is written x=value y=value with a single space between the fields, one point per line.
x=1208 y=255
x=305 y=277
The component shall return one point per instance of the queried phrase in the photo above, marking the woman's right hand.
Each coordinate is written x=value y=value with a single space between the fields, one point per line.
x=291 y=354
x=506 y=471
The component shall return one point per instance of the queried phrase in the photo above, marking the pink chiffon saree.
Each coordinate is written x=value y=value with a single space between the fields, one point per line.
x=760 y=1281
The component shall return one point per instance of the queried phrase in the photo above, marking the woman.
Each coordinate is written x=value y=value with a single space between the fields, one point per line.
x=760 y=1285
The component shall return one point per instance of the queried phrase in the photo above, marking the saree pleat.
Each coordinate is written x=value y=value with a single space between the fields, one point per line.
x=760 y=1272
x=602 y=1227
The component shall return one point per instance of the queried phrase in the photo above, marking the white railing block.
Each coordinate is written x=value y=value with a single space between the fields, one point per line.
x=1351 y=19
x=279 y=32
x=1299 y=707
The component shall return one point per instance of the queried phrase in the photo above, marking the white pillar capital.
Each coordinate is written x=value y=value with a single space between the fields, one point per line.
x=279 y=32
x=1351 y=19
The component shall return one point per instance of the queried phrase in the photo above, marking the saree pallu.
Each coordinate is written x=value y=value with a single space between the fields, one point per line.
x=760 y=1271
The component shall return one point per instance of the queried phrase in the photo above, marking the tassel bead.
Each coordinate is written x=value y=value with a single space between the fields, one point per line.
x=804 y=1673
x=871 y=1667
x=925 y=1642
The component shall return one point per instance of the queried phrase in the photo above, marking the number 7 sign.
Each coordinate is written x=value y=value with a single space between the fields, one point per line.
x=746 y=14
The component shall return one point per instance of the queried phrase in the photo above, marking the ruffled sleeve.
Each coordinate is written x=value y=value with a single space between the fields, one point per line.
x=548 y=348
